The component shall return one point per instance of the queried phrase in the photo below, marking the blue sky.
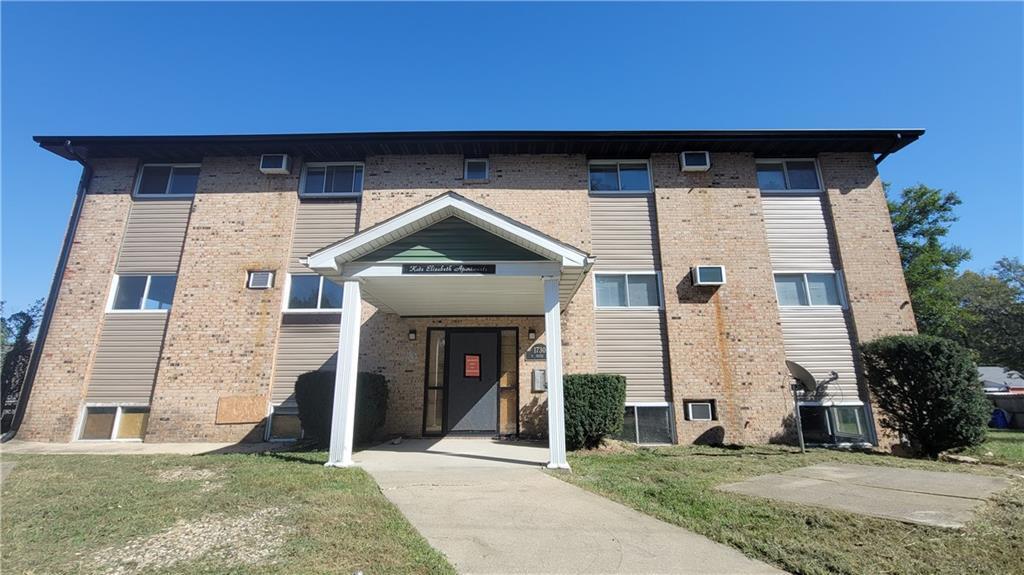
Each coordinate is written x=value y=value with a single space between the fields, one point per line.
x=953 y=69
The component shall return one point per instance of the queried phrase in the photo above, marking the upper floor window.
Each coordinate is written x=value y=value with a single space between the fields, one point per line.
x=476 y=169
x=787 y=175
x=332 y=180
x=153 y=292
x=809 y=289
x=630 y=176
x=309 y=292
x=627 y=290
x=167 y=180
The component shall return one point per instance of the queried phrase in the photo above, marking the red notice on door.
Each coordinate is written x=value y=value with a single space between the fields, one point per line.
x=472 y=367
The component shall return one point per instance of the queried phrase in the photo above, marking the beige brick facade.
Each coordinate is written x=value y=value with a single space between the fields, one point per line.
x=723 y=343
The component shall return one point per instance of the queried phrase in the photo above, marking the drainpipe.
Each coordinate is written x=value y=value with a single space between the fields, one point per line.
x=51 y=299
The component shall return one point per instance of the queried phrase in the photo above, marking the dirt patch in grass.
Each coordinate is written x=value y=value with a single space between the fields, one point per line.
x=246 y=540
x=186 y=474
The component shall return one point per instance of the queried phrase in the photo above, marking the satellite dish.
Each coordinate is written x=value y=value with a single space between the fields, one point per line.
x=803 y=376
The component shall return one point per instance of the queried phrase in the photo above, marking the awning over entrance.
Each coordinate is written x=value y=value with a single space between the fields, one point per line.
x=452 y=256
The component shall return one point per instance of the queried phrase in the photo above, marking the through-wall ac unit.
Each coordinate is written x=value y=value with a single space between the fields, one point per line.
x=261 y=279
x=708 y=275
x=274 y=163
x=695 y=161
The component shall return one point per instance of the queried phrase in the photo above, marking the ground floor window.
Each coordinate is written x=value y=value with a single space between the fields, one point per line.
x=834 y=423
x=118 y=422
x=284 y=425
x=647 y=424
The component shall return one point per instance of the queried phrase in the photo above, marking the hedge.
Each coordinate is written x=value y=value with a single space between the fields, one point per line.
x=314 y=393
x=594 y=407
x=928 y=391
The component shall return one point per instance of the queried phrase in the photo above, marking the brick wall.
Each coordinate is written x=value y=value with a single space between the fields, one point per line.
x=59 y=386
x=725 y=343
x=221 y=336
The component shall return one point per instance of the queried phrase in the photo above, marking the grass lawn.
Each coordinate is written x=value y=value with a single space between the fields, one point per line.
x=676 y=484
x=202 y=514
x=1005 y=445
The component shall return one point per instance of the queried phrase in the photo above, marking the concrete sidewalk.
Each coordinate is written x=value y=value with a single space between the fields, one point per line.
x=133 y=447
x=490 y=508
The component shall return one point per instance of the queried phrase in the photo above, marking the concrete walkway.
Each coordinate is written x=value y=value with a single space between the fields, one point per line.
x=490 y=508
x=134 y=447
x=935 y=498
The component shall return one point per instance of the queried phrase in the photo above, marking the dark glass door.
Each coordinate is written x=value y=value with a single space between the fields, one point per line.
x=472 y=381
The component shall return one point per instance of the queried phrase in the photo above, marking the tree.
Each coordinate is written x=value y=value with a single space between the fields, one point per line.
x=928 y=391
x=16 y=331
x=921 y=219
x=993 y=306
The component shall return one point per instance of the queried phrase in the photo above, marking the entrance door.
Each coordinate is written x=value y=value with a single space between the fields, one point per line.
x=473 y=381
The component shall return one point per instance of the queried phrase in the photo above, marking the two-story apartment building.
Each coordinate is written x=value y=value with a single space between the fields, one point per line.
x=202 y=274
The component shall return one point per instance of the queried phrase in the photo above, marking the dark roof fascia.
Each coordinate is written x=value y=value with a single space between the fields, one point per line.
x=592 y=143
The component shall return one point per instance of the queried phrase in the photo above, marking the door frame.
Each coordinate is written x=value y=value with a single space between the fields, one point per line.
x=446 y=388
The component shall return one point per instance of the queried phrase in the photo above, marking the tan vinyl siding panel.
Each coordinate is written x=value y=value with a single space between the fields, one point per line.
x=127 y=358
x=798 y=233
x=623 y=233
x=154 y=236
x=306 y=342
x=818 y=338
x=318 y=224
x=631 y=343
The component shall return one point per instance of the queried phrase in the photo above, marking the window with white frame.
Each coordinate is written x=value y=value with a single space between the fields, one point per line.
x=143 y=293
x=788 y=175
x=284 y=425
x=620 y=177
x=808 y=289
x=167 y=180
x=117 y=422
x=829 y=424
x=627 y=290
x=476 y=169
x=342 y=179
x=313 y=293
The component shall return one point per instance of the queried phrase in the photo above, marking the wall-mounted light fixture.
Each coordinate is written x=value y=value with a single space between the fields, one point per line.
x=412 y=335
x=531 y=334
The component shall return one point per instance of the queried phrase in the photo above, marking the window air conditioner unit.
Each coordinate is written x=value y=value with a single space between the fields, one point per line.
x=695 y=161
x=274 y=163
x=261 y=280
x=708 y=275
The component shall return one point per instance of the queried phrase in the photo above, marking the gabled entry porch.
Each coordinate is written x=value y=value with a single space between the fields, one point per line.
x=452 y=258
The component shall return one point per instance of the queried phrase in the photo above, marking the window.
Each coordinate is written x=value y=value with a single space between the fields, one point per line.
x=627 y=290
x=620 y=177
x=826 y=424
x=284 y=426
x=788 y=175
x=151 y=293
x=808 y=289
x=102 y=422
x=700 y=410
x=167 y=180
x=476 y=169
x=327 y=180
x=647 y=424
x=306 y=292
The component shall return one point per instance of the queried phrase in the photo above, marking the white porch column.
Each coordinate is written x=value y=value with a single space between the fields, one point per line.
x=343 y=417
x=556 y=401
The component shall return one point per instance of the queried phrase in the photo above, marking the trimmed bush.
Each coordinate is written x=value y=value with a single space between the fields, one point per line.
x=928 y=390
x=594 y=406
x=314 y=393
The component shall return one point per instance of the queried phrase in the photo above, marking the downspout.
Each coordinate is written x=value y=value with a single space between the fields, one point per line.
x=51 y=299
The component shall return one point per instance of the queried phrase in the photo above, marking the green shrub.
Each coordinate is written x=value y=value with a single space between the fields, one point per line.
x=928 y=390
x=594 y=405
x=314 y=393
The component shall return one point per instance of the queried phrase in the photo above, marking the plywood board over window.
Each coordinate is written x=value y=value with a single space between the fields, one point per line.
x=241 y=409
